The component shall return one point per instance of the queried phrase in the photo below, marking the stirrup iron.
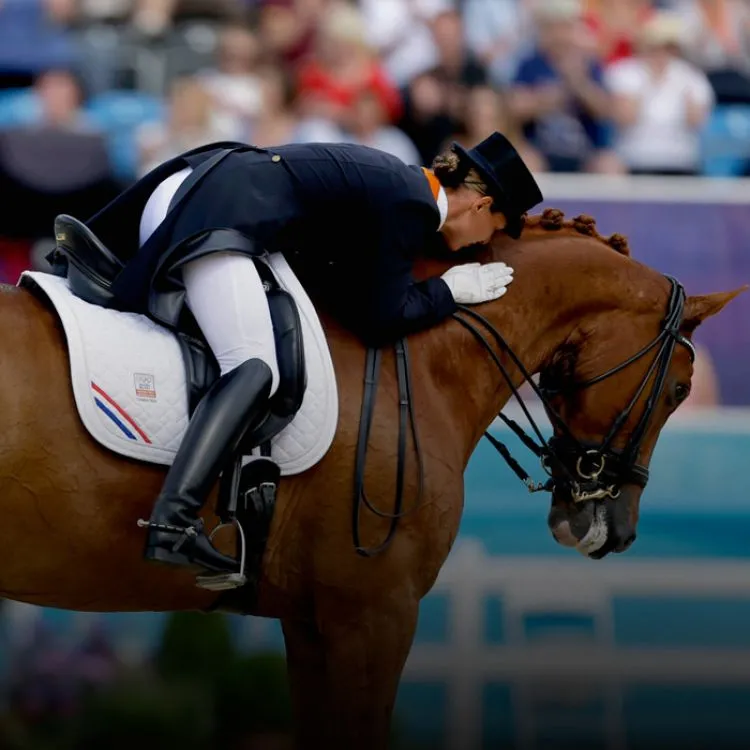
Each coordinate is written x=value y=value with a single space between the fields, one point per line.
x=226 y=581
x=260 y=497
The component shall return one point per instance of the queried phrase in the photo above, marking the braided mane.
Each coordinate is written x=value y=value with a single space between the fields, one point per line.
x=553 y=220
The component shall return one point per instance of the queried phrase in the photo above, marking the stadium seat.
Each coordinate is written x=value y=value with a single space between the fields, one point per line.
x=725 y=141
x=18 y=107
x=119 y=114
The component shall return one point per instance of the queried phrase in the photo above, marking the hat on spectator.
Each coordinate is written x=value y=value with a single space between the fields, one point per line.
x=557 y=10
x=662 y=29
x=509 y=181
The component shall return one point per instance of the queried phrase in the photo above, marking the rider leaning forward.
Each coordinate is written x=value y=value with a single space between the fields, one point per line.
x=357 y=214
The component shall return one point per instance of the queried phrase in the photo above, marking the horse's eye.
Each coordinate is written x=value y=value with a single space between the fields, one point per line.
x=681 y=392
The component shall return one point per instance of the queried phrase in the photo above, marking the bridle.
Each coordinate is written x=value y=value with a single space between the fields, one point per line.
x=587 y=471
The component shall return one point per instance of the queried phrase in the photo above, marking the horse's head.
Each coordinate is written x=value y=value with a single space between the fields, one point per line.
x=623 y=370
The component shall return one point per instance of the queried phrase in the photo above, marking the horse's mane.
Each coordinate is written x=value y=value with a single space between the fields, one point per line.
x=553 y=220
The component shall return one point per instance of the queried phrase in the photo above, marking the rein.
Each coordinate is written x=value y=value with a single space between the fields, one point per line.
x=406 y=413
x=589 y=472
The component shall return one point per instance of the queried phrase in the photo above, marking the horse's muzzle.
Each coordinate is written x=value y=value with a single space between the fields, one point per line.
x=594 y=527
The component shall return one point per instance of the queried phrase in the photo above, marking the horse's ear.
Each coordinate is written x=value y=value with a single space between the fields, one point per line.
x=697 y=309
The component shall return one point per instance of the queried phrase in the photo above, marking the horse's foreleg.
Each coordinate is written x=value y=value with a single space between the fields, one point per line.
x=305 y=658
x=366 y=648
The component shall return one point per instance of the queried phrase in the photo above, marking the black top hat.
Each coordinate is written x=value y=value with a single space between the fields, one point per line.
x=509 y=181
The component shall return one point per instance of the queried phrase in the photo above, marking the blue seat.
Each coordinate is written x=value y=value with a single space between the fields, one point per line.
x=18 y=107
x=117 y=110
x=119 y=114
x=725 y=141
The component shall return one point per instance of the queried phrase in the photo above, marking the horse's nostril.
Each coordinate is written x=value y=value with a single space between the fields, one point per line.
x=625 y=543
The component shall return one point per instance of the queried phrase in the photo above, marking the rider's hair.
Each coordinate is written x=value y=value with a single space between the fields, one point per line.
x=452 y=172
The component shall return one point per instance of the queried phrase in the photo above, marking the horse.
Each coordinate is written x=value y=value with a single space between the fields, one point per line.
x=610 y=339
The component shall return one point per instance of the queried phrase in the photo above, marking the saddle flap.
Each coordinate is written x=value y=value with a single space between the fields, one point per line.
x=290 y=353
x=91 y=267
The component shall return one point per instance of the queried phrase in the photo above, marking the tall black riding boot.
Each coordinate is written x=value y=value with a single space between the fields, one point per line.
x=233 y=405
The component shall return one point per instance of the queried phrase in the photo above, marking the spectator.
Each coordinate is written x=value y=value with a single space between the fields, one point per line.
x=343 y=66
x=367 y=124
x=559 y=97
x=399 y=30
x=498 y=33
x=456 y=62
x=614 y=24
x=487 y=111
x=234 y=87
x=717 y=39
x=61 y=98
x=457 y=68
x=33 y=38
x=276 y=122
x=190 y=124
x=287 y=34
x=434 y=101
x=427 y=120
x=661 y=103
x=58 y=163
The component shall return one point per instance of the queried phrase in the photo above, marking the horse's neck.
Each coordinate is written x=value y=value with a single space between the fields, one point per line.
x=552 y=293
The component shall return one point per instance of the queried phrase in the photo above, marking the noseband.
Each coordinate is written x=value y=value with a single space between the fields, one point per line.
x=587 y=471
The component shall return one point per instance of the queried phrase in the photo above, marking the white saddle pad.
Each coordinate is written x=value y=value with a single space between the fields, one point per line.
x=130 y=387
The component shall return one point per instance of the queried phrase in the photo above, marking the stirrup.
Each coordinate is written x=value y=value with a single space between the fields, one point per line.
x=258 y=496
x=226 y=581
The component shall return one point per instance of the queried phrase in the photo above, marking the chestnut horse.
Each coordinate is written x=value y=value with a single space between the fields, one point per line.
x=579 y=308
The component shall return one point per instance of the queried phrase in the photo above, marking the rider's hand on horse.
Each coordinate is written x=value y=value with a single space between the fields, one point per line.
x=472 y=283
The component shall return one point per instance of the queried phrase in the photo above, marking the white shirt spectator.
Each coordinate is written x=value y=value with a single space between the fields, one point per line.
x=237 y=100
x=660 y=138
x=399 y=31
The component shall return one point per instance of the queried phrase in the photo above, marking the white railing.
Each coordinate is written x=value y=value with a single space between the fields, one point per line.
x=465 y=662
x=643 y=188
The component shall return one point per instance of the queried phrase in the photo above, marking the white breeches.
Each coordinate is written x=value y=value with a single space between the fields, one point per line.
x=224 y=293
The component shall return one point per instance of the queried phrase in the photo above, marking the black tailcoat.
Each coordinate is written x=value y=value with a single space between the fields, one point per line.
x=350 y=219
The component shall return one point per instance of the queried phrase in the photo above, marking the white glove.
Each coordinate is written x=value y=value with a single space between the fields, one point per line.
x=473 y=283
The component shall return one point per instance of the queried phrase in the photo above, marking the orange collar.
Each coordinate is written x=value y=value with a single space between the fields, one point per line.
x=438 y=194
x=434 y=182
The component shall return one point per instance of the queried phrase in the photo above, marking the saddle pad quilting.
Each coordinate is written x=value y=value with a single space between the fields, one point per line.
x=130 y=388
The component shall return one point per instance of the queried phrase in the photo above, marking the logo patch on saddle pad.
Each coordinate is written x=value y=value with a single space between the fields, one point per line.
x=116 y=359
x=145 y=387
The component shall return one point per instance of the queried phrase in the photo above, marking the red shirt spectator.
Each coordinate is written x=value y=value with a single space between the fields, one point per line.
x=321 y=83
x=344 y=67
x=614 y=24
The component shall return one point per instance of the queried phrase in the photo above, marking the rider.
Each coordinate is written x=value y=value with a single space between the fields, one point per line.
x=345 y=206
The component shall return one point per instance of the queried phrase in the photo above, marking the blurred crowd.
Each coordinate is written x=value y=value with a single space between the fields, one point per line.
x=96 y=92
x=82 y=688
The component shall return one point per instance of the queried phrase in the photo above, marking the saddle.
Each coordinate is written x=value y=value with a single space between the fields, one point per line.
x=91 y=268
x=246 y=491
